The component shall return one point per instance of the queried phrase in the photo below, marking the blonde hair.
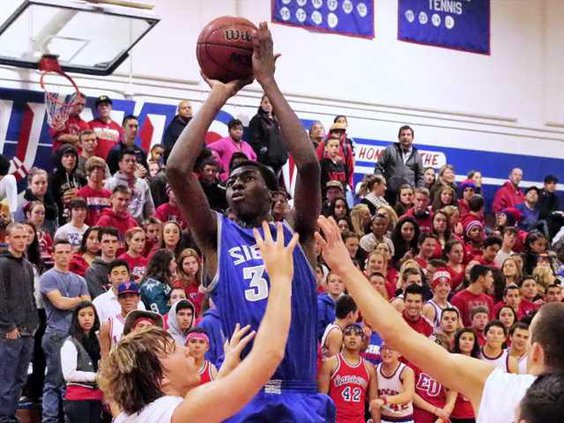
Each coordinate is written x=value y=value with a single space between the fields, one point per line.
x=392 y=214
x=356 y=219
x=131 y=375
x=544 y=276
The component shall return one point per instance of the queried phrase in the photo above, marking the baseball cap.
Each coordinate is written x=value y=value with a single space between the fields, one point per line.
x=334 y=184
x=128 y=288
x=468 y=183
x=103 y=99
x=338 y=126
x=550 y=179
x=135 y=315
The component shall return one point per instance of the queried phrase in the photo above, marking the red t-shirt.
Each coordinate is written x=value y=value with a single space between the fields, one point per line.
x=425 y=222
x=206 y=373
x=456 y=278
x=431 y=391
x=421 y=325
x=74 y=126
x=108 y=134
x=137 y=266
x=462 y=408
x=526 y=307
x=96 y=202
x=78 y=265
x=166 y=212
x=465 y=302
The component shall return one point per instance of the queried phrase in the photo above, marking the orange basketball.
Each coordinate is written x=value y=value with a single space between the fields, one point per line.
x=225 y=48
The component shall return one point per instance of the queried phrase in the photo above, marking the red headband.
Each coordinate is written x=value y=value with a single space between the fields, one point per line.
x=197 y=335
x=143 y=319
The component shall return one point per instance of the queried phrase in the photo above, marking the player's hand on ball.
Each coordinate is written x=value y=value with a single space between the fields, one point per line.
x=228 y=89
x=333 y=248
x=277 y=257
x=264 y=59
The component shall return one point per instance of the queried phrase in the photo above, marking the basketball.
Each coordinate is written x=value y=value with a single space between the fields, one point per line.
x=225 y=48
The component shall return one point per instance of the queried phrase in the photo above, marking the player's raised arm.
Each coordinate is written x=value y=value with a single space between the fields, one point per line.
x=463 y=374
x=237 y=388
x=191 y=199
x=307 y=192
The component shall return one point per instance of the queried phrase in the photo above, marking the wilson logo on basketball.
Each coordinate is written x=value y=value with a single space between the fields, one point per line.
x=235 y=35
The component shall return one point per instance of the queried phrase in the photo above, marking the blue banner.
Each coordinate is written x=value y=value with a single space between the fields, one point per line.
x=346 y=17
x=457 y=24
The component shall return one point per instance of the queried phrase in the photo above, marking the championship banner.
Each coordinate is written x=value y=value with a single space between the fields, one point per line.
x=457 y=24
x=346 y=17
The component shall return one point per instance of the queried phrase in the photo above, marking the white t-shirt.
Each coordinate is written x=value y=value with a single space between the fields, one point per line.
x=501 y=396
x=72 y=234
x=107 y=305
x=159 y=411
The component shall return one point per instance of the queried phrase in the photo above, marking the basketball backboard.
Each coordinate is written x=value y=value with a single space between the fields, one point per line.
x=88 y=37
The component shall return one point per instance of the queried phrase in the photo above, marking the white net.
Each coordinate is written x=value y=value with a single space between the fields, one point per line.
x=61 y=96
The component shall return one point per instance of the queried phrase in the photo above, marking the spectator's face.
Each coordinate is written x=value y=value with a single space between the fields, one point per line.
x=86 y=318
x=280 y=205
x=185 y=110
x=490 y=252
x=154 y=168
x=488 y=281
x=529 y=289
x=376 y=263
x=62 y=254
x=414 y=280
x=446 y=196
x=509 y=239
x=266 y=105
x=495 y=337
x=68 y=161
x=39 y=185
x=343 y=225
x=352 y=246
x=379 y=227
x=442 y=288
x=153 y=232
x=30 y=234
x=428 y=248
x=384 y=249
x=476 y=234
x=449 y=322
x=335 y=285
x=333 y=192
x=406 y=138
x=197 y=347
x=119 y=275
x=176 y=295
x=553 y=294
x=532 y=197
x=407 y=231
x=78 y=106
x=466 y=342
x=332 y=148
x=379 y=284
x=380 y=189
x=120 y=202
x=520 y=339
x=89 y=143
x=104 y=110
x=389 y=356
x=97 y=174
x=209 y=173
x=429 y=176
x=539 y=245
x=157 y=153
x=421 y=202
x=506 y=317
x=352 y=340
x=92 y=243
x=317 y=131
x=131 y=128
x=477 y=178
x=109 y=245
x=128 y=302
x=456 y=254
x=128 y=164
x=439 y=223
x=236 y=133
x=17 y=240
x=550 y=186
x=340 y=209
x=137 y=242
x=468 y=193
x=516 y=176
x=413 y=305
x=513 y=298
x=479 y=321
x=185 y=317
x=448 y=175
x=509 y=268
x=190 y=266
x=37 y=215
x=171 y=235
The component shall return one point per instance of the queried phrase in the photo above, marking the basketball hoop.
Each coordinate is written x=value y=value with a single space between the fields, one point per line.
x=61 y=92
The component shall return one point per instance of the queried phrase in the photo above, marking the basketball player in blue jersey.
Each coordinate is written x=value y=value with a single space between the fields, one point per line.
x=239 y=283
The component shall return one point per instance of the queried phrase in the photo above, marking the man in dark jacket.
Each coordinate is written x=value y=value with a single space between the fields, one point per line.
x=265 y=138
x=548 y=205
x=18 y=320
x=401 y=164
x=177 y=125
x=130 y=127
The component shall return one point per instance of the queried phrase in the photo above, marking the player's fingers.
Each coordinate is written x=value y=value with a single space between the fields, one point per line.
x=258 y=238
x=266 y=230
x=321 y=240
x=293 y=242
x=239 y=333
x=245 y=341
x=279 y=234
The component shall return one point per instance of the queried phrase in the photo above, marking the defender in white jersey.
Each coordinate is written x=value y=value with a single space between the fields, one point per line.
x=441 y=286
x=493 y=352
x=494 y=394
x=112 y=330
x=346 y=313
x=396 y=388
x=519 y=338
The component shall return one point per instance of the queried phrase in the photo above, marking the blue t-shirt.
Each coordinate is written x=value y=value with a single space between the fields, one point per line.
x=70 y=285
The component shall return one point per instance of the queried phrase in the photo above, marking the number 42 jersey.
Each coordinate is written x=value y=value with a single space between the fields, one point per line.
x=240 y=291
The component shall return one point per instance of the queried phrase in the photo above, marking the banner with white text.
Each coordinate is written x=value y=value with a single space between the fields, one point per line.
x=456 y=24
x=346 y=17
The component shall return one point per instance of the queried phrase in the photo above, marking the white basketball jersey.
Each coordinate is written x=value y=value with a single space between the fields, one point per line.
x=328 y=329
x=389 y=386
x=501 y=361
x=116 y=329
x=522 y=362
x=438 y=312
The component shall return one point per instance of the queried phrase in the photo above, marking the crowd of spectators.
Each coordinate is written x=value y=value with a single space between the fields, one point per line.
x=98 y=243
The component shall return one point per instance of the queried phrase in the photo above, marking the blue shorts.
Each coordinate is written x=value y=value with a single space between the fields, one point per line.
x=289 y=406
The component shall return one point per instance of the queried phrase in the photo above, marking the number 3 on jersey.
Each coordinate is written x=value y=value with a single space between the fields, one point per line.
x=351 y=394
x=258 y=286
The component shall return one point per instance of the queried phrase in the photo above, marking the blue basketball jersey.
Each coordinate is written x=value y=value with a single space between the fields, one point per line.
x=240 y=291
